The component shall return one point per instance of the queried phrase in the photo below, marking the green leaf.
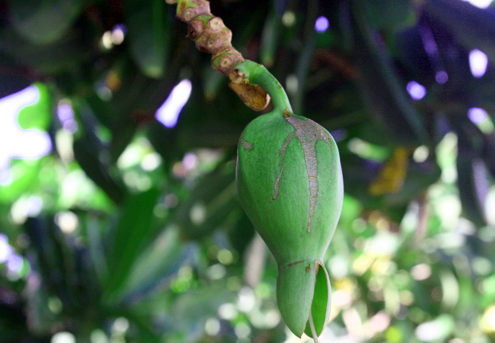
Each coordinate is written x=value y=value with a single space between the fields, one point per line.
x=474 y=27
x=70 y=51
x=44 y=21
x=131 y=233
x=148 y=33
x=320 y=307
x=197 y=305
x=383 y=93
x=389 y=14
x=303 y=288
x=25 y=174
x=419 y=177
x=13 y=326
x=96 y=247
x=164 y=142
x=209 y=205
x=160 y=261
x=56 y=260
x=473 y=187
x=86 y=153
x=270 y=38
x=122 y=135
x=38 y=115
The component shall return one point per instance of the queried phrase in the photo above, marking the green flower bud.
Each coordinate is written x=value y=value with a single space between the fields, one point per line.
x=289 y=180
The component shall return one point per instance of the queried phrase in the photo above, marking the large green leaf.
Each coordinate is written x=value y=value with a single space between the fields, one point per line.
x=474 y=27
x=25 y=175
x=157 y=265
x=59 y=55
x=389 y=14
x=197 y=305
x=133 y=230
x=62 y=271
x=86 y=153
x=382 y=90
x=270 y=38
x=122 y=135
x=44 y=21
x=472 y=176
x=148 y=33
x=473 y=187
x=209 y=205
x=13 y=326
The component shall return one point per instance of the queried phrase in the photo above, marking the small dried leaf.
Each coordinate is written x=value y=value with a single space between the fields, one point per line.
x=254 y=97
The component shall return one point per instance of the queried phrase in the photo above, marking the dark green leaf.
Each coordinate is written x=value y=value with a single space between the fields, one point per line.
x=209 y=205
x=384 y=94
x=148 y=33
x=73 y=49
x=131 y=233
x=86 y=153
x=157 y=265
x=270 y=38
x=13 y=326
x=474 y=27
x=473 y=187
x=122 y=135
x=44 y=21
x=389 y=14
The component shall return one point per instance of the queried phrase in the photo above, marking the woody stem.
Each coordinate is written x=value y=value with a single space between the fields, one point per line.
x=209 y=33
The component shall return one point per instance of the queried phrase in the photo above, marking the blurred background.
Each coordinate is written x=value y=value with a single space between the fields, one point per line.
x=119 y=217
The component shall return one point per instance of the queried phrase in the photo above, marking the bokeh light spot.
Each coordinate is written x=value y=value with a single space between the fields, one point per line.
x=120 y=325
x=421 y=153
x=480 y=3
x=118 y=34
x=169 y=111
x=225 y=256
x=478 y=61
x=190 y=160
x=98 y=336
x=5 y=249
x=15 y=263
x=67 y=221
x=212 y=326
x=16 y=142
x=421 y=272
x=246 y=300
x=416 y=90
x=151 y=161
x=63 y=337
x=289 y=18
x=442 y=77
x=477 y=115
x=227 y=311
x=66 y=116
x=321 y=24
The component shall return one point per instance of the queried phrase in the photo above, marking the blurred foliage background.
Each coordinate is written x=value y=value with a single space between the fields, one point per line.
x=119 y=224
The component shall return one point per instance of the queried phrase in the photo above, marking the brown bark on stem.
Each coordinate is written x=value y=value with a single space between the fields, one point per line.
x=211 y=35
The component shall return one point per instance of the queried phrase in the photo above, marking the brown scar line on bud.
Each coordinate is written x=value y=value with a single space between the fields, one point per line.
x=277 y=183
x=308 y=133
x=291 y=264
x=246 y=145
